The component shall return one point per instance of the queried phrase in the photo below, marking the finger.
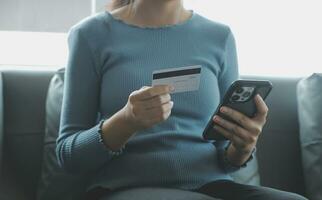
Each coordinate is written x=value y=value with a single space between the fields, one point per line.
x=158 y=111
x=237 y=130
x=159 y=118
x=147 y=92
x=156 y=101
x=151 y=92
x=238 y=117
x=261 y=106
x=230 y=136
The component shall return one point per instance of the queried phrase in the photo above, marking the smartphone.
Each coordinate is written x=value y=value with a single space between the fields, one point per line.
x=239 y=96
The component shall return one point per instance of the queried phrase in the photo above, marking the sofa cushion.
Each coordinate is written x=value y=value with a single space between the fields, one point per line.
x=278 y=148
x=309 y=94
x=54 y=182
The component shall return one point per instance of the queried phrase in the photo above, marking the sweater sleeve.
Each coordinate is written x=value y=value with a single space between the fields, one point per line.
x=228 y=74
x=229 y=65
x=78 y=145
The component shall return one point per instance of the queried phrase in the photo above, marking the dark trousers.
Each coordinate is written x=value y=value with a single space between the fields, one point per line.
x=229 y=190
x=225 y=190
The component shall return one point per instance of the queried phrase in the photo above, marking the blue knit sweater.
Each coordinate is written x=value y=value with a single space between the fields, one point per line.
x=108 y=59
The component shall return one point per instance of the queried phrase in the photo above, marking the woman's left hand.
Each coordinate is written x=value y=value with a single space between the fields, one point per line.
x=243 y=134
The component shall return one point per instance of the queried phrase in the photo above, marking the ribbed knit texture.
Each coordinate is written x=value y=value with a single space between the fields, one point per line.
x=109 y=59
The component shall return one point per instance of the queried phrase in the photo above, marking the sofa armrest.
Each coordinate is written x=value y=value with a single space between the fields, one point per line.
x=1 y=123
x=23 y=109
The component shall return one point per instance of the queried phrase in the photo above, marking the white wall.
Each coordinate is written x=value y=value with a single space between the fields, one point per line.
x=42 y=15
x=274 y=37
x=99 y=5
x=39 y=27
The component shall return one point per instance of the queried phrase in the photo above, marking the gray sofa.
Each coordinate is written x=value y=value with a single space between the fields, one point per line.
x=22 y=123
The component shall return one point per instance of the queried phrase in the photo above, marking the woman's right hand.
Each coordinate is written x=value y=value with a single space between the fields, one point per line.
x=148 y=106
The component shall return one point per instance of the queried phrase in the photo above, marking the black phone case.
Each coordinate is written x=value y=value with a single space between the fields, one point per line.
x=262 y=87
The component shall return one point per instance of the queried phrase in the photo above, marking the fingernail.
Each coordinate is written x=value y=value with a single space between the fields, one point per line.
x=216 y=118
x=223 y=109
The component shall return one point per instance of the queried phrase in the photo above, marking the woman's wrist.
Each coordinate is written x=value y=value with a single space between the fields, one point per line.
x=101 y=140
x=237 y=157
x=116 y=131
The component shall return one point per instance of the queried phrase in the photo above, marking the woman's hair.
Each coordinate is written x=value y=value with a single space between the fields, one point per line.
x=115 y=4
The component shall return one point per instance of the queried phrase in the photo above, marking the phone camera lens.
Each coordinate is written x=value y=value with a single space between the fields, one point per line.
x=239 y=90
x=246 y=94
x=235 y=97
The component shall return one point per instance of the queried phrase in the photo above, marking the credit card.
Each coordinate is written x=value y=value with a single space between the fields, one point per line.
x=183 y=79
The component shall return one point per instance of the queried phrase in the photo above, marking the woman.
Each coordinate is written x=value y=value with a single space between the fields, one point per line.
x=129 y=134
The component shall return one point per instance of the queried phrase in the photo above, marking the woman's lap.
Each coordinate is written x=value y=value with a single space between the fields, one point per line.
x=229 y=190
x=155 y=193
